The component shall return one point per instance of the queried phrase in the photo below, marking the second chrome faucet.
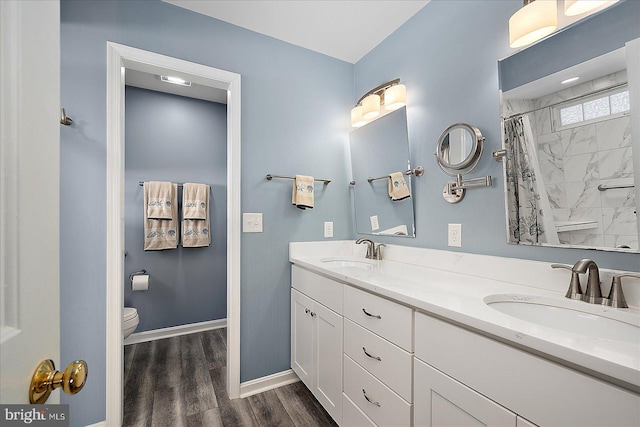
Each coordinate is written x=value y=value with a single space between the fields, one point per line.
x=593 y=293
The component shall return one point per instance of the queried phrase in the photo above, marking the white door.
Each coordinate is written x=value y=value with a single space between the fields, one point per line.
x=29 y=196
x=441 y=401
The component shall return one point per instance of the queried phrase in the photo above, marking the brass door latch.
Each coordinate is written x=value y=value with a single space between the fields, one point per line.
x=45 y=379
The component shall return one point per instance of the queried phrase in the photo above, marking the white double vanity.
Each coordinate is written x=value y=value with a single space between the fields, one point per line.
x=430 y=338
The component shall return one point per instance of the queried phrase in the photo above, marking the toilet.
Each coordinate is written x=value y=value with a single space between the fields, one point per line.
x=130 y=321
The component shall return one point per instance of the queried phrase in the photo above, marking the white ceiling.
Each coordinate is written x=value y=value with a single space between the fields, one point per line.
x=346 y=30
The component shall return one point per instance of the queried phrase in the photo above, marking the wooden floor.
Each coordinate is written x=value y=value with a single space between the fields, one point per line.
x=180 y=381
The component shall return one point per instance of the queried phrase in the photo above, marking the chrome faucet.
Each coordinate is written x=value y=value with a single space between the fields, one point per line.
x=593 y=294
x=371 y=249
x=378 y=251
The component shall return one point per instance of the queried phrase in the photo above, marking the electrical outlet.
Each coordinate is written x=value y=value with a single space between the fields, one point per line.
x=374 y=223
x=455 y=235
x=252 y=223
x=328 y=229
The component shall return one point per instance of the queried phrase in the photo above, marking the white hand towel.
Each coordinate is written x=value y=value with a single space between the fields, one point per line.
x=302 y=196
x=161 y=234
x=196 y=233
x=398 y=189
x=195 y=201
x=158 y=204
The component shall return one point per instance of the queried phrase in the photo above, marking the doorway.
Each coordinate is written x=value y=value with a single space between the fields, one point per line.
x=121 y=58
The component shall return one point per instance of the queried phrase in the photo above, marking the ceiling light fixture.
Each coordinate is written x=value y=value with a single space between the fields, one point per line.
x=175 y=80
x=572 y=79
x=535 y=20
x=578 y=7
x=392 y=95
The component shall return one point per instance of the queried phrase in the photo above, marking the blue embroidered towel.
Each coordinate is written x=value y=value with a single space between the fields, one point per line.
x=195 y=201
x=302 y=196
x=398 y=189
x=159 y=199
x=161 y=234
x=196 y=231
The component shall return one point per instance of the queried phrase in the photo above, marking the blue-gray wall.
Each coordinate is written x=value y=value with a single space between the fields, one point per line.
x=295 y=120
x=178 y=139
x=447 y=56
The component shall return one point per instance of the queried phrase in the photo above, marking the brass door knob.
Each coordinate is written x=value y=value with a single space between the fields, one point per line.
x=45 y=379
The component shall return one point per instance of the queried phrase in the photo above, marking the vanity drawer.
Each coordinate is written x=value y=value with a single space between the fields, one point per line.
x=381 y=316
x=384 y=407
x=322 y=289
x=352 y=416
x=386 y=361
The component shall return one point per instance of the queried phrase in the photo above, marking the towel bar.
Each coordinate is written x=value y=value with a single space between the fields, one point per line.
x=141 y=183
x=419 y=171
x=270 y=177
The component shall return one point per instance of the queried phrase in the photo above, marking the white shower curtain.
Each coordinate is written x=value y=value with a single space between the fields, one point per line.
x=530 y=218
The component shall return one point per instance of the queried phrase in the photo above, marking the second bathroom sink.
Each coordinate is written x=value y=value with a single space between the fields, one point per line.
x=571 y=316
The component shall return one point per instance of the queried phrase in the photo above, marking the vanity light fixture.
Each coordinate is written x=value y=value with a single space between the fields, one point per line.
x=578 y=7
x=392 y=95
x=535 y=20
x=175 y=80
x=371 y=107
x=572 y=79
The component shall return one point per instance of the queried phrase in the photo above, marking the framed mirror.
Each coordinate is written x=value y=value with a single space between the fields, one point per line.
x=377 y=150
x=573 y=145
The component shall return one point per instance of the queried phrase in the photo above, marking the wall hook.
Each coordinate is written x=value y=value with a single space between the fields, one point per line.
x=64 y=120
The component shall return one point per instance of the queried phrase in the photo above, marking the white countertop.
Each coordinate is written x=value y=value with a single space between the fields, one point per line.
x=460 y=298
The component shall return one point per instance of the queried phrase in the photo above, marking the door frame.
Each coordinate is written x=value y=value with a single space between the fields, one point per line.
x=120 y=58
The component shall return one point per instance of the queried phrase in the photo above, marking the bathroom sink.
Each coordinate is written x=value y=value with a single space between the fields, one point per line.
x=351 y=263
x=571 y=316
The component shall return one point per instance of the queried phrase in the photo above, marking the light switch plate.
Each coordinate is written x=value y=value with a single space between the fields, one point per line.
x=328 y=229
x=455 y=235
x=252 y=223
x=374 y=223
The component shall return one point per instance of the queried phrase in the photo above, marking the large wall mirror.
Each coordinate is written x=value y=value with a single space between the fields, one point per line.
x=377 y=150
x=572 y=164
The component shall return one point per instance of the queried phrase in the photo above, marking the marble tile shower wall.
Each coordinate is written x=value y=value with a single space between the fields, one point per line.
x=575 y=161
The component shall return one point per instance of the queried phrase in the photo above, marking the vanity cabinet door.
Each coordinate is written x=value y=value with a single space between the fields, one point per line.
x=316 y=350
x=439 y=401
x=327 y=327
x=302 y=337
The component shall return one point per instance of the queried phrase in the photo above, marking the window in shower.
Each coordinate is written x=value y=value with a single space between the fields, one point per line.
x=592 y=108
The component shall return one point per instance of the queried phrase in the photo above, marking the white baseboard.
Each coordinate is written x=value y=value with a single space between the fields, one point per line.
x=259 y=385
x=100 y=424
x=174 y=331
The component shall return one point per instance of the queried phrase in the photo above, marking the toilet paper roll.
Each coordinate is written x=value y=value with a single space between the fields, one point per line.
x=140 y=282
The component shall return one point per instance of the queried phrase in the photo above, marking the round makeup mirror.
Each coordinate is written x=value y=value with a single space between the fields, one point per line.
x=458 y=152
x=459 y=148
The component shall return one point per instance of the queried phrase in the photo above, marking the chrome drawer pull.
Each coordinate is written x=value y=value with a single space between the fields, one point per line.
x=373 y=357
x=369 y=400
x=377 y=316
x=313 y=314
x=306 y=311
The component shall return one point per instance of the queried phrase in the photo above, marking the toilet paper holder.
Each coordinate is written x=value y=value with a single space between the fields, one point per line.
x=136 y=273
